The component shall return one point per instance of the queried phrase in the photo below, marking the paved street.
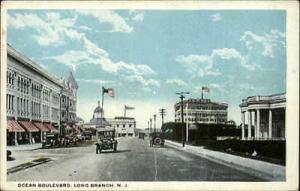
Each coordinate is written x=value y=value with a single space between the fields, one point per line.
x=135 y=161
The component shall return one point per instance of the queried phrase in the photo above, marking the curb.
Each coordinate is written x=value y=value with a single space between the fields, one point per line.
x=28 y=165
x=232 y=164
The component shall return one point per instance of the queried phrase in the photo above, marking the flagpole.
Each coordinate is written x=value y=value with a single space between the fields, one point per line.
x=102 y=113
x=187 y=121
x=124 y=110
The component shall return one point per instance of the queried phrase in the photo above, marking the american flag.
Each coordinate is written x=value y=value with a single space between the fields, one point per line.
x=128 y=107
x=109 y=91
x=205 y=89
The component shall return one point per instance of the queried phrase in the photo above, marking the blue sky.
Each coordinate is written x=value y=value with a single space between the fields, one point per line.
x=148 y=56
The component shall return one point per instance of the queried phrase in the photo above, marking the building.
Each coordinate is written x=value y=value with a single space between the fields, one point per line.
x=33 y=99
x=68 y=103
x=98 y=121
x=124 y=126
x=266 y=117
x=202 y=111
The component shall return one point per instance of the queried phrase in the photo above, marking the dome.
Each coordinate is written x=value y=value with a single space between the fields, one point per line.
x=98 y=109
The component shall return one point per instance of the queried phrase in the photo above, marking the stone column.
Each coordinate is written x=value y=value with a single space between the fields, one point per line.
x=50 y=106
x=243 y=125
x=270 y=124
x=258 y=123
x=249 y=124
x=255 y=125
x=30 y=100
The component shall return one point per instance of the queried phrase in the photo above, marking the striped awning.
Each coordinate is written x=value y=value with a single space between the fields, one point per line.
x=41 y=127
x=28 y=126
x=50 y=126
x=13 y=126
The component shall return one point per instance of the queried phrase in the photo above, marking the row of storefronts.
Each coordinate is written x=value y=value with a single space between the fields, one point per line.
x=37 y=102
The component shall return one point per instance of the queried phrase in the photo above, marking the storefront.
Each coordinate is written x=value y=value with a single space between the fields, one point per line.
x=15 y=133
x=32 y=134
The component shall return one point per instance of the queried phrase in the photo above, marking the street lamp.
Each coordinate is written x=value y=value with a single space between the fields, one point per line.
x=182 y=121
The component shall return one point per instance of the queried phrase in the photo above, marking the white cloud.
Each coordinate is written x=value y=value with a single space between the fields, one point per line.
x=265 y=44
x=226 y=53
x=216 y=17
x=94 y=81
x=49 y=31
x=176 y=82
x=138 y=17
x=108 y=16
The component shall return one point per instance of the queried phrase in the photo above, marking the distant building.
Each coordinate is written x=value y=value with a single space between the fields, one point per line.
x=124 y=126
x=68 y=102
x=33 y=100
x=202 y=111
x=266 y=116
x=230 y=122
x=98 y=121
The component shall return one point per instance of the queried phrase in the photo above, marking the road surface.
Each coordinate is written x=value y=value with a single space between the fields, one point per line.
x=134 y=161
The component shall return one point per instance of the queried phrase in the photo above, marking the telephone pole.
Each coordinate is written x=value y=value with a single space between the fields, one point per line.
x=154 y=121
x=162 y=112
x=182 y=121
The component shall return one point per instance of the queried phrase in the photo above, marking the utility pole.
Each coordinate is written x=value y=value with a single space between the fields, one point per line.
x=150 y=126
x=187 y=121
x=154 y=121
x=182 y=120
x=162 y=112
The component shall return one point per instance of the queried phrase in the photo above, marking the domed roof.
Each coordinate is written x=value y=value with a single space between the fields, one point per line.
x=98 y=109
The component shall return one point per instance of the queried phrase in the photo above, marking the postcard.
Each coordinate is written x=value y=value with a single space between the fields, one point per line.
x=150 y=95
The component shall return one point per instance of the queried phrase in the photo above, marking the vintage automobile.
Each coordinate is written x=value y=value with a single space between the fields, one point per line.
x=87 y=135
x=157 y=138
x=106 y=140
x=50 y=140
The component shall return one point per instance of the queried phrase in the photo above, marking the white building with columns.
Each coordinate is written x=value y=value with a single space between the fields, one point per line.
x=265 y=115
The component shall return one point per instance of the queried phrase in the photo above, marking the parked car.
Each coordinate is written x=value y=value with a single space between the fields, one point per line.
x=80 y=137
x=50 y=140
x=106 y=140
x=157 y=138
x=70 y=140
x=87 y=135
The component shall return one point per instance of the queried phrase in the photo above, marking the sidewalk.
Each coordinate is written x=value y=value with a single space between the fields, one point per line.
x=22 y=154
x=25 y=147
x=265 y=170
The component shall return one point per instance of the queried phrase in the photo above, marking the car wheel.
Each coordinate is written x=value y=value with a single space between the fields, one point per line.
x=157 y=141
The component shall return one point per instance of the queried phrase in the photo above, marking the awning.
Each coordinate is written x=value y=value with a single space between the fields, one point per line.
x=13 y=126
x=50 y=126
x=41 y=127
x=28 y=126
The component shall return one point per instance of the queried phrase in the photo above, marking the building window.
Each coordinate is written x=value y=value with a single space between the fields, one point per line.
x=124 y=125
